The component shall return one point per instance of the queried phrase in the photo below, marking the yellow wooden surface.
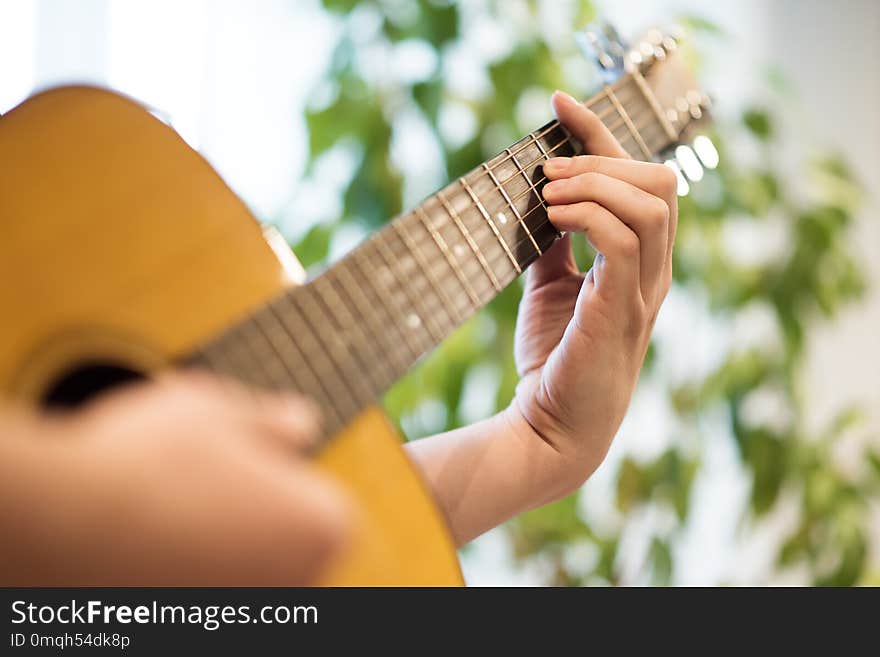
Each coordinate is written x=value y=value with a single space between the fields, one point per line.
x=119 y=243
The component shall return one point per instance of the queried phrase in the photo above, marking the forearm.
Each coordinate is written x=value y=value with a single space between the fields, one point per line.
x=485 y=473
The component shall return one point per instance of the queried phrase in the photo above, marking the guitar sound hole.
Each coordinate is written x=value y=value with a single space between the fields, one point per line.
x=87 y=381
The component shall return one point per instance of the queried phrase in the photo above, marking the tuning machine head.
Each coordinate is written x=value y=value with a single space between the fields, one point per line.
x=655 y=46
x=601 y=44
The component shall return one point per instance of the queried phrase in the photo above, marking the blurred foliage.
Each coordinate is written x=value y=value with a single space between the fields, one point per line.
x=369 y=88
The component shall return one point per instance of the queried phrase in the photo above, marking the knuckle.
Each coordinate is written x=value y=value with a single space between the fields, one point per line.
x=668 y=181
x=588 y=163
x=659 y=212
x=590 y=178
x=628 y=245
x=635 y=327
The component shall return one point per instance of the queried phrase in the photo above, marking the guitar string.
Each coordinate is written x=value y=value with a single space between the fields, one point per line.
x=622 y=139
x=599 y=97
x=531 y=187
x=521 y=170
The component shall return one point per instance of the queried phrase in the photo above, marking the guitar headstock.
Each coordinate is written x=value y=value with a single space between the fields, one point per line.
x=674 y=91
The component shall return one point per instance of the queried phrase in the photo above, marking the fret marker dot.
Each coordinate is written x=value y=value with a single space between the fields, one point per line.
x=502 y=218
x=459 y=250
x=413 y=321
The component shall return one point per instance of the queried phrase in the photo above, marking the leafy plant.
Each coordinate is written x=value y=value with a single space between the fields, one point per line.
x=466 y=80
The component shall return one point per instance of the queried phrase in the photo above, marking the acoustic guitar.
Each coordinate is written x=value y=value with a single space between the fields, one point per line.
x=122 y=253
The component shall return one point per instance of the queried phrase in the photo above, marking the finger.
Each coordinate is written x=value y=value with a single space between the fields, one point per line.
x=557 y=262
x=586 y=127
x=289 y=421
x=284 y=421
x=618 y=245
x=647 y=215
x=655 y=179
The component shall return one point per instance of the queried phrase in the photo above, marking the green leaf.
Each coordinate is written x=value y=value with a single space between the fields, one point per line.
x=759 y=123
x=661 y=561
x=697 y=23
x=314 y=246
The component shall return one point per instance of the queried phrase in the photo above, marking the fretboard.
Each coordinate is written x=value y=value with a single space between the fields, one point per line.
x=345 y=337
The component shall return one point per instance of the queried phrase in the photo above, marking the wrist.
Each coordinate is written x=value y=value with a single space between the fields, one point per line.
x=572 y=464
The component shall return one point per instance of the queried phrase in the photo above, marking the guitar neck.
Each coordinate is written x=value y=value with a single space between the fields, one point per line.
x=348 y=335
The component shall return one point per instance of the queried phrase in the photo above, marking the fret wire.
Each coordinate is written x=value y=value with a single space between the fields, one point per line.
x=434 y=276
x=396 y=311
x=357 y=258
x=627 y=136
x=556 y=124
x=354 y=385
x=394 y=264
x=282 y=350
x=537 y=207
x=491 y=223
x=220 y=359
x=250 y=367
x=330 y=375
x=649 y=97
x=602 y=95
x=277 y=357
x=216 y=359
x=314 y=373
x=532 y=188
x=281 y=372
x=633 y=117
x=336 y=305
x=444 y=248
x=658 y=143
x=510 y=204
x=363 y=303
x=544 y=156
x=263 y=358
x=629 y=124
x=528 y=180
x=549 y=128
x=243 y=366
x=470 y=240
x=434 y=282
x=252 y=364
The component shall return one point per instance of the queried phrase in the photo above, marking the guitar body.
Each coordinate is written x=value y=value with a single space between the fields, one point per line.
x=121 y=251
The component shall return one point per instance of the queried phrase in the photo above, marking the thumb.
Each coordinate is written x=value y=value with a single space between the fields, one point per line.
x=587 y=128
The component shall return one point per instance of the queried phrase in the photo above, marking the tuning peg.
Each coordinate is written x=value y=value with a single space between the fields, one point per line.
x=653 y=44
x=706 y=151
x=683 y=186
x=615 y=43
x=601 y=44
x=689 y=163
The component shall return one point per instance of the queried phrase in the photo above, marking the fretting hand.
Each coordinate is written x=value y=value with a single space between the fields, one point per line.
x=581 y=338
